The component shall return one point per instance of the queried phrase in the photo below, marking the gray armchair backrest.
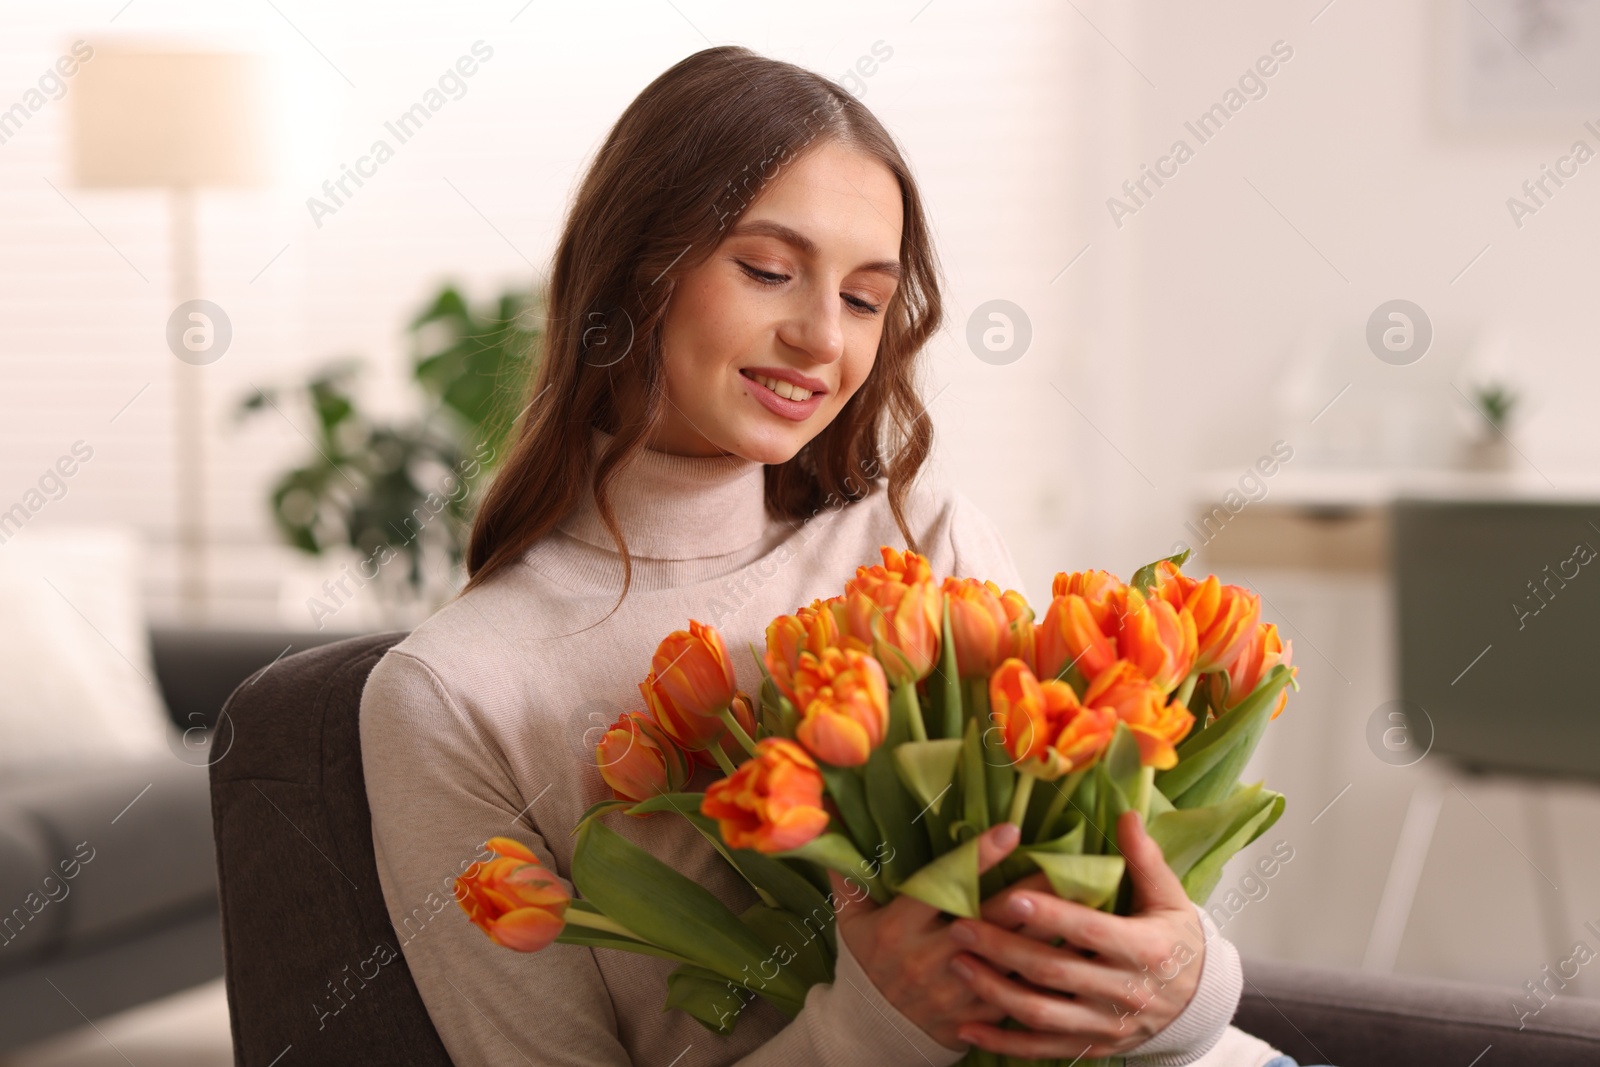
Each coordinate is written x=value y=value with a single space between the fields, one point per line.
x=312 y=961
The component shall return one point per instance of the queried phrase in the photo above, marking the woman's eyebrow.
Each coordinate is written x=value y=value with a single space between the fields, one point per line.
x=804 y=244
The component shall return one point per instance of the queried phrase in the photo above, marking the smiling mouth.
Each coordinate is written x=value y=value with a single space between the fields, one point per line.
x=782 y=388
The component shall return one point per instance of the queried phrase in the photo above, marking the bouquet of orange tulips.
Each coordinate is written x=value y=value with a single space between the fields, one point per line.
x=894 y=724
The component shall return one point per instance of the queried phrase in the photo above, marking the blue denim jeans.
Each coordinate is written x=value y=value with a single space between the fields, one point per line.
x=1287 y=1061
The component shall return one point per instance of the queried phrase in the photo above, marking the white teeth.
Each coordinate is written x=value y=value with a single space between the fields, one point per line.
x=783 y=389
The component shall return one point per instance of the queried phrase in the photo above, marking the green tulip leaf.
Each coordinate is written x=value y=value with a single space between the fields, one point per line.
x=949 y=681
x=706 y=997
x=676 y=914
x=1088 y=880
x=1145 y=577
x=901 y=844
x=928 y=768
x=600 y=807
x=1187 y=835
x=1204 y=875
x=949 y=883
x=1068 y=844
x=974 y=788
x=1231 y=739
x=800 y=943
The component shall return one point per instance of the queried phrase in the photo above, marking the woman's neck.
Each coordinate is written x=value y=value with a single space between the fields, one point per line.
x=675 y=507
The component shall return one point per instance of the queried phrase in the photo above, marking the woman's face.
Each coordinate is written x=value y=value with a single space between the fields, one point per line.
x=791 y=303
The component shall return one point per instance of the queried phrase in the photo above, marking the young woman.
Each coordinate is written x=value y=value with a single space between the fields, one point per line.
x=723 y=426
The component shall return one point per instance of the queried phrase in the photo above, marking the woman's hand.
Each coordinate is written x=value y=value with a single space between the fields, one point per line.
x=904 y=947
x=1124 y=978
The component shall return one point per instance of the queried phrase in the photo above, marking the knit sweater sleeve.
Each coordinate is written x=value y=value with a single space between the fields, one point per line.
x=437 y=790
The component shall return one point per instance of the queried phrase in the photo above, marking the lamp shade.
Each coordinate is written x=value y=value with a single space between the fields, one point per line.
x=168 y=118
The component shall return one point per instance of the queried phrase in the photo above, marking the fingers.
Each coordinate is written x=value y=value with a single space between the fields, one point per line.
x=1155 y=885
x=1061 y=969
x=996 y=843
x=1049 y=1013
x=1004 y=909
x=1113 y=937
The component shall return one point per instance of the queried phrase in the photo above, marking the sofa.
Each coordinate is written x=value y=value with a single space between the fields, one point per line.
x=108 y=889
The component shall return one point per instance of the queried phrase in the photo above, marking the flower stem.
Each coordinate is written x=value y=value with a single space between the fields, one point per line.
x=1058 y=803
x=737 y=731
x=906 y=694
x=1186 y=690
x=722 y=758
x=596 y=921
x=1019 y=799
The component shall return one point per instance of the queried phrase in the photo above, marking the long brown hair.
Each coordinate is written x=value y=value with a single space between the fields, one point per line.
x=681 y=164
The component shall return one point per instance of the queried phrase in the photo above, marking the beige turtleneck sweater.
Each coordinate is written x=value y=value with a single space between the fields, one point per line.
x=482 y=722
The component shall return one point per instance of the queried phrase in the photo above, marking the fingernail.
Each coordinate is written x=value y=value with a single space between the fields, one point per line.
x=1020 y=907
x=962 y=934
x=961 y=967
x=1007 y=834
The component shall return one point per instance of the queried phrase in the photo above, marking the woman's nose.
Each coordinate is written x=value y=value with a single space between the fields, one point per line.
x=815 y=329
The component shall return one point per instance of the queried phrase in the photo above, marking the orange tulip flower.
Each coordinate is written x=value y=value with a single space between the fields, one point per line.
x=1084 y=731
x=979 y=626
x=773 y=802
x=893 y=611
x=1019 y=624
x=1016 y=705
x=1171 y=584
x=1159 y=639
x=1103 y=591
x=513 y=898
x=692 y=728
x=810 y=629
x=843 y=697
x=1157 y=725
x=1071 y=635
x=1225 y=616
x=693 y=668
x=1045 y=729
x=1263 y=651
x=638 y=759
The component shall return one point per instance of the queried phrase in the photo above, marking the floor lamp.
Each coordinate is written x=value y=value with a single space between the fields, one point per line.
x=179 y=121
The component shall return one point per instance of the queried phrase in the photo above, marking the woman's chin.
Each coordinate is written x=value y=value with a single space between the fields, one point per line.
x=769 y=445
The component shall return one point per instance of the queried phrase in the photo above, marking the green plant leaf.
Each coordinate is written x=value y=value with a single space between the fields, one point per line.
x=676 y=913
x=974 y=788
x=706 y=997
x=1187 y=835
x=838 y=853
x=775 y=881
x=1145 y=577
x=893 y=808
x=1204 y=875
x=1234 y=734
x=799 y=942
x=928 y=768
x=600 y=807
x=949 y=682
x=949 y=883
x=849 y=795
x=1088 y=880
x=1068 y=844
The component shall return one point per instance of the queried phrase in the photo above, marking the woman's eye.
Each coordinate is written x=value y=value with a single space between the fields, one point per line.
x=765 y=277
x=862 y=305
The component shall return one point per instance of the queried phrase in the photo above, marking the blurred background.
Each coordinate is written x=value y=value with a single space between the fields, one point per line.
x=1306 y=287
